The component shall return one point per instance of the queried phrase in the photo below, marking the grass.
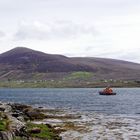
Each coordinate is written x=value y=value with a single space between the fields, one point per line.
x=4 y=122
x=19 y=138
x=80 y=75
x=3 y=125
x=66 y=83
x=80 y=79
x=46 y=133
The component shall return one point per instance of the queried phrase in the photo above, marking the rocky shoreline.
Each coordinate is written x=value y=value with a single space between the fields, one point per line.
x=24 y=122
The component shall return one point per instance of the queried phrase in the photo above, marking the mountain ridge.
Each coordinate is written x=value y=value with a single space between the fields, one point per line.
x=24 y=58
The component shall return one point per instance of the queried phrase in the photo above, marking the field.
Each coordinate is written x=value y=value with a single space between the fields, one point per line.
x=62 y=80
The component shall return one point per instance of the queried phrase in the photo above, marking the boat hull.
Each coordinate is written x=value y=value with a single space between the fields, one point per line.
x=103 y=93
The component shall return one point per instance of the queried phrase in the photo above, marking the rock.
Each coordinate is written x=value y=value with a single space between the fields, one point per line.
x=6 y=135
x=35 y=130
x=19 y=107
x=3 y=115
x=48 y=125
x=20 y=118
x=40 y=107
x=33 y=115
x=15 y=124
x=15 y=115
x=59 y=130
x=5 y=108
x=2 y=109
x=22 y=132
x=64 y=116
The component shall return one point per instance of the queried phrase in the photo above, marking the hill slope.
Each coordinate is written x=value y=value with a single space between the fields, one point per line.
x=24 y=63
x=111 y=68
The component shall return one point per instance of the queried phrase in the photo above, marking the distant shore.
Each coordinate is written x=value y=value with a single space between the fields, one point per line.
x=64 y=84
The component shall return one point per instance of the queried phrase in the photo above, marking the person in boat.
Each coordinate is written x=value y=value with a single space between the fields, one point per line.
x=108 y=90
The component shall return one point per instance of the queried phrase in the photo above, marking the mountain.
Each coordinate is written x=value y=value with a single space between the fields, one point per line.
x=28 y=60
x=23 y=63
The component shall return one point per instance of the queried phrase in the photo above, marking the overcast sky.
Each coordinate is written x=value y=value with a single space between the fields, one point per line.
x=95 y=28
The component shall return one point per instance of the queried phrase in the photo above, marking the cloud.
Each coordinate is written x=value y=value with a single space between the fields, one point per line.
x=2 y=34
x=53 y=30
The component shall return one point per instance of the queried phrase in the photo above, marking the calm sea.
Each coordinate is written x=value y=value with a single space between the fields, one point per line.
x=127 y=100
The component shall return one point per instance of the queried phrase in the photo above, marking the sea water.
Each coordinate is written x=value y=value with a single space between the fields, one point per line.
x=104 y=117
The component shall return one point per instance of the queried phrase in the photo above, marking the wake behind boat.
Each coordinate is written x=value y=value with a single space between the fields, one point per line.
x=107 y=91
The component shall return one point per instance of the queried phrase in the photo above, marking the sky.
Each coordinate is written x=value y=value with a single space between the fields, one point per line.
x=85 y=28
